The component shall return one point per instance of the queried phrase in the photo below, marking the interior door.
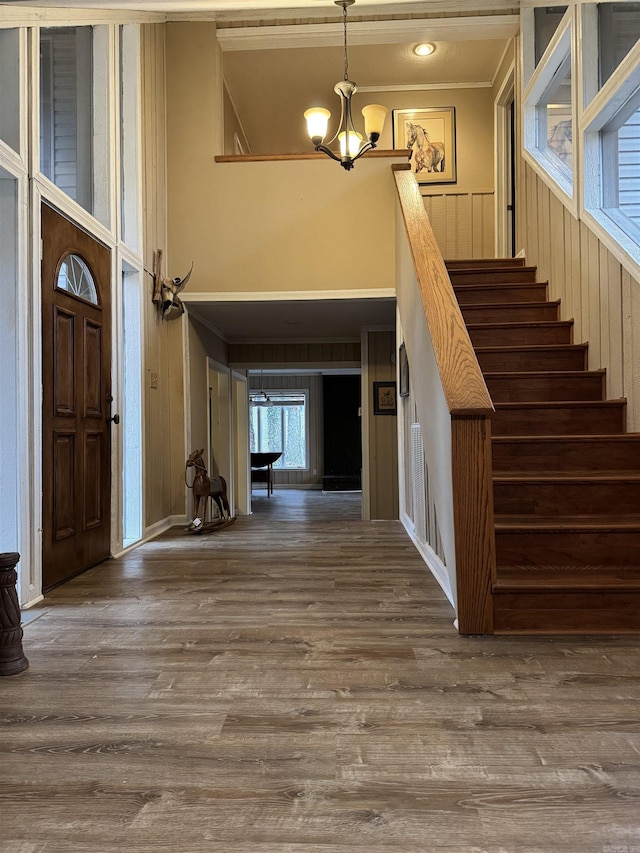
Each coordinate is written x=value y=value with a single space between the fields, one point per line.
x=76 y=415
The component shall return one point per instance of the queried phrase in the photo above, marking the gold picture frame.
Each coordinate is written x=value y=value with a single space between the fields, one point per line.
x=430 y=134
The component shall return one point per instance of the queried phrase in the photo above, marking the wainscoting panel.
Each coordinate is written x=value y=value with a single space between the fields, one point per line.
x=463 y=223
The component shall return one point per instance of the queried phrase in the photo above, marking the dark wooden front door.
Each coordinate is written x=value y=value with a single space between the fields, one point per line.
x=76 y=377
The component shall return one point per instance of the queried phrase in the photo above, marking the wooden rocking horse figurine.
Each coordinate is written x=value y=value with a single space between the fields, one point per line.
x=205 y=487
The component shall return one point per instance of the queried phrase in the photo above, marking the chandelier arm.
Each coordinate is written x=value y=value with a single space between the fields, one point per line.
x=328 y=152
x=369 y=146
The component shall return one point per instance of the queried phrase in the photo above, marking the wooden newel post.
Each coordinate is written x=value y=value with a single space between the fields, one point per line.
x=12 y=659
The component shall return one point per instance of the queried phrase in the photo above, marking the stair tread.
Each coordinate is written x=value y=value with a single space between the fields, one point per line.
x=524 y=324
x=575 y=577
x=497 y=285
x=535 y=374
x=586 y=438
x=557 y=404
x=518 y=305
x=530 y=347
x=597 y=476
x=566 y=523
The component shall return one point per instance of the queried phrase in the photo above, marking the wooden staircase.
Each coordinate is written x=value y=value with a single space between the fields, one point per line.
x=566 y=474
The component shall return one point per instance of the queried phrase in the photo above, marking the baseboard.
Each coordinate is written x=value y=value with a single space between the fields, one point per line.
x=32 y=602
x=434 y=563
x=154 y=530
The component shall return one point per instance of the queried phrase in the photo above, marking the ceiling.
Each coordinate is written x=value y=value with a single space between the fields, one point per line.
x=311 y=320
x=282 y=56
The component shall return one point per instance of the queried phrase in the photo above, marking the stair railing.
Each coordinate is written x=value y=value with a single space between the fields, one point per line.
x=453 y=407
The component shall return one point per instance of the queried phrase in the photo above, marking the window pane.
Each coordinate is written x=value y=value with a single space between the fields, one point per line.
x=618 y=31
x=65 y=110
x=129 y=99
x=555 y=136
x=75 y=277
x=621 y=169
x=10 y=88
x=278 y=424
x=546 y=20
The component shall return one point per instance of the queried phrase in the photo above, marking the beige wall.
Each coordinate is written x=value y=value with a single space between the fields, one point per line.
x=164 y=450
x=273 y=226
x=462 y=214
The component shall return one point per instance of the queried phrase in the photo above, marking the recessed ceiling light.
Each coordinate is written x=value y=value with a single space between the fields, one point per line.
x=423 y=49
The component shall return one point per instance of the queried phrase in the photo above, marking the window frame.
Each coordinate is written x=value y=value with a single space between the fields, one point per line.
x=560 y=50
x=273 y=395
x=604 y=113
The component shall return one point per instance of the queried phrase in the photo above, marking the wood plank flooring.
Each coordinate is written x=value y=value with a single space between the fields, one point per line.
x=294 y=684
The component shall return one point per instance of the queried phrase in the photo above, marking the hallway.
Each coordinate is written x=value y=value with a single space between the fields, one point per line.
x=294 y=684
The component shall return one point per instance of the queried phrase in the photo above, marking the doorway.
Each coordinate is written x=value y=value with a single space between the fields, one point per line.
x=76 y=399
x=505 y=169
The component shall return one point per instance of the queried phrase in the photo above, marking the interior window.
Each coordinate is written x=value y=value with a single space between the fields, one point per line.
x=618 y=31
x=555 y=136
x=546 y=21
x=10 y=89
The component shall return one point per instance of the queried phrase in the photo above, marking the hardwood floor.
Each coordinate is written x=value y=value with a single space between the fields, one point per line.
x=294 y=684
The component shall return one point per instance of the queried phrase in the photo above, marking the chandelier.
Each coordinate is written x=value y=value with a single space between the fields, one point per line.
x=351 y=142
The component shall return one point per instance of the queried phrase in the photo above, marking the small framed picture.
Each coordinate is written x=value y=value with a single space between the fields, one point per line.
x=430 y=135
x=384 y=398
x=404 y=371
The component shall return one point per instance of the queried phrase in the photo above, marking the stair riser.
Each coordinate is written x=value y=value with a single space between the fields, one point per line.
x=521 y=335
x=559 y=421
x=520 y=389
x=484 y=294
x=567 y=547
x=523 y=360
x=567 y=455
x=507 y=276
x=566 y=613
x=557 y=499
x=523 y=313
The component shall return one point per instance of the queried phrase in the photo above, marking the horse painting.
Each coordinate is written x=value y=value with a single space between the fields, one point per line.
x=205 y=487
x=427 y=155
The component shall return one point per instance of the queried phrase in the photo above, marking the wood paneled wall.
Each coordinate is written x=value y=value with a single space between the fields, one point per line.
x=164 y=380
x=596 y=291
x=463 y=223
x=313 y=383
x=383 y=429
x=243 y=356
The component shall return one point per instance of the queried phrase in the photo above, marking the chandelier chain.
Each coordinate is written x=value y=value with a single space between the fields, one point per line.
x=346 y=55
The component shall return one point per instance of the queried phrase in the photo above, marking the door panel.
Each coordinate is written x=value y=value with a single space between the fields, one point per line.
x=76 y=336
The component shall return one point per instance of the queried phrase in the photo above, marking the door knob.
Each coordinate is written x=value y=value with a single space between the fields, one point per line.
x=115 y=419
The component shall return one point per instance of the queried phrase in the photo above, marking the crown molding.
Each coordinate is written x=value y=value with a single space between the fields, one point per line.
x=34 y=16
x=369 y=32
x=425 y=87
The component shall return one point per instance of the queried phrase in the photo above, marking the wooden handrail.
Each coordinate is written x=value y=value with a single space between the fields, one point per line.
x=470 y=409
x=462 y=381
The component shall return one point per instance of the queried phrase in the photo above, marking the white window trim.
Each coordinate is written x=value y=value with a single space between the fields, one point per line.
x=285 y=392
x=562 y=44
x=602 y=110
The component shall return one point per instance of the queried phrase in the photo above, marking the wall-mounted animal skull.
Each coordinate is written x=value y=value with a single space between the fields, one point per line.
x=166 y=290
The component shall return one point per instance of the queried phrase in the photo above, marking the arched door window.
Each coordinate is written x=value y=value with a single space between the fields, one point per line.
x=75 y=277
